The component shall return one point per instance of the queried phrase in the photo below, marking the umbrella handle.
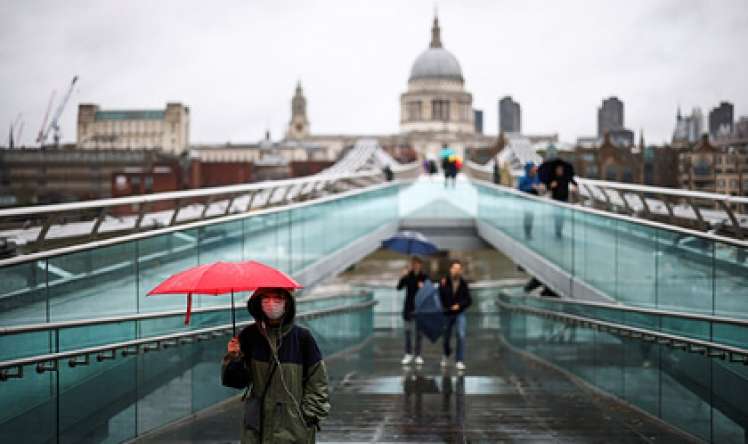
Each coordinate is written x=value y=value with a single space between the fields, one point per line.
x=188 y=315
x=233 y=313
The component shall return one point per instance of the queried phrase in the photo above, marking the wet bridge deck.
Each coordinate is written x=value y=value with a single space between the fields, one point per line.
x=503 y=397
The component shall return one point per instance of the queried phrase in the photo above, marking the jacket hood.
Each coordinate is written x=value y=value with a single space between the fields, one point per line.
x=254 y=305
x=528 y=168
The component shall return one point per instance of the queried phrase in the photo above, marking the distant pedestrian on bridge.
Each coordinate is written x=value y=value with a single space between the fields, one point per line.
x=558 y=176
x=411 y=280
x=455 y=296
x=282 y=369
x=529 y=183
x=449 y=165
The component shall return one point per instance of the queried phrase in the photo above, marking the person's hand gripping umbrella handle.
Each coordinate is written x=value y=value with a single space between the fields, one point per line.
x=233 y=346
x=233 y=314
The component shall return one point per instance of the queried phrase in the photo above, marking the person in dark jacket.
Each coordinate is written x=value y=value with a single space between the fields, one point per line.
x=529 y=183
x=449 y=166
x=561 y=182
x=432 y=167
x=282 y=367
x=455 y=297
x=559 y=185
x=411 y=280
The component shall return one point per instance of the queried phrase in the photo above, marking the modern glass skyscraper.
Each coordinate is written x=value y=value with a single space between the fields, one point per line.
x=610 y=116
x=510 y=116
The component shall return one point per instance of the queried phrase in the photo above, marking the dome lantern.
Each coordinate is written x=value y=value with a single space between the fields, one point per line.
x=436 y=38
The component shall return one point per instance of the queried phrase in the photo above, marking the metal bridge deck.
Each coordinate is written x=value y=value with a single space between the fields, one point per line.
x=503 y=397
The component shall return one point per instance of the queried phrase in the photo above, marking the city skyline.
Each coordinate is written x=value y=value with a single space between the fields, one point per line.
x=236 y=66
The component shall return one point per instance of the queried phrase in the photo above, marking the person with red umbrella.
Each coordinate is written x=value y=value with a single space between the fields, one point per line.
x=281 y=367
x=277 y=362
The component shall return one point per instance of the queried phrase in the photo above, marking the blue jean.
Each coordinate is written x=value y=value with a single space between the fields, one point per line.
x=412 y=329
x=461 y=324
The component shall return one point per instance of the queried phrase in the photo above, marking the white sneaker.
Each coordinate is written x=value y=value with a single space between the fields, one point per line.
x=445 y=361
x=407 y=359
x=419 y=360
x=460 y=366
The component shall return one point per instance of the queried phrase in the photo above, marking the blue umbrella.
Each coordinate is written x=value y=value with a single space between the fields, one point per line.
x=430 y=318
x=410 y=242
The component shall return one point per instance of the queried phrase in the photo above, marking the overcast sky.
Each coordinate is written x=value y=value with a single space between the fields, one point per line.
x=235 y=63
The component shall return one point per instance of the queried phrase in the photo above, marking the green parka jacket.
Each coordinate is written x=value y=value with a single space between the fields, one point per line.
x=297 y=397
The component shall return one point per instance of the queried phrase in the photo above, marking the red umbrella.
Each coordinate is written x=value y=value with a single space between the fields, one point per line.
x=224 y=277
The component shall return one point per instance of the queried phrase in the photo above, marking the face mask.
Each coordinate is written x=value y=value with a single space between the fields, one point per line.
x=273 y=308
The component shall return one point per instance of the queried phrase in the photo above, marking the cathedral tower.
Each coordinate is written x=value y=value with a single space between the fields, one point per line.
x=298 y=128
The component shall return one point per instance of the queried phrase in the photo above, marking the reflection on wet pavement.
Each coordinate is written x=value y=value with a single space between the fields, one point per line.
x=502 y=397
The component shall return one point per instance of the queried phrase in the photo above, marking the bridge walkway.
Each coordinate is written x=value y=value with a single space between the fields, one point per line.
x=503 y=397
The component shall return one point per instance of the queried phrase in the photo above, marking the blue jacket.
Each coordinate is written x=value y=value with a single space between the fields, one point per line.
x=528 y=183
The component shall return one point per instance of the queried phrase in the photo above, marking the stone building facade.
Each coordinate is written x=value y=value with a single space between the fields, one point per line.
x=717 y=169
x=167 y=130
x=436 y=99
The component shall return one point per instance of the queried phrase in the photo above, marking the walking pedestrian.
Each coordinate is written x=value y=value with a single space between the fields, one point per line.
x=411 y=280
x=281 y=368
x=529 y=183
x=455 y=297
x=432 y=167
x=449 y=165
x=558 y=177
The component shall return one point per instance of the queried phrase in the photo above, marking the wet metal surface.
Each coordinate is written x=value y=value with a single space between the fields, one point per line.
x=502 y=397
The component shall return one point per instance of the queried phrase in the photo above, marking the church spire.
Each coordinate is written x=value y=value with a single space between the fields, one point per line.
x=436 y=38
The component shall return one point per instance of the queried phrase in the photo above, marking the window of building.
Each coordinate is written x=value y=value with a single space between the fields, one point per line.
x=120 y=182
x=440 y=110
x=464 y=112
x=611 y=173
x=721 y=183
x=413 y=110
x=148 y=182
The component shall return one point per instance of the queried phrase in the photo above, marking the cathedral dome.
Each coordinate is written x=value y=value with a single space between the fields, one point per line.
x=436 y=63
x=436 y=100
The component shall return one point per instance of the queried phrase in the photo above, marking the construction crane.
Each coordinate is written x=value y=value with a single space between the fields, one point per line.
x=54 y=124
x=41 y=136
x=17 y=126
x=19 y=133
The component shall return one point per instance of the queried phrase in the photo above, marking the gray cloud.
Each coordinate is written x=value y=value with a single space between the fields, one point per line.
x=236 y=62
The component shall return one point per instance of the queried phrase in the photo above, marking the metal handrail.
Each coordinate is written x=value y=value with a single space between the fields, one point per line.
x=724 y=217
x=50 y=361
x=644 y=310
x=184 y=194
x=188 y=206
x=624 y=217
x=706 y=348
x=635 y=187
x=187 y=226
x=45 y=326
x=664 y=191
